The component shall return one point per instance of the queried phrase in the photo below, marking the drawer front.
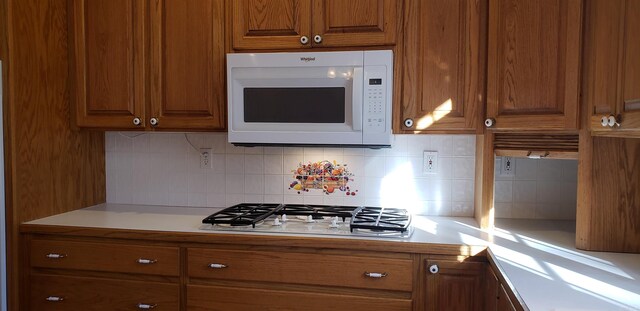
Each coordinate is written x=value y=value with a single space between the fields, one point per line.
x=154 y=260
x=301 y=268
x=81 y=293
x=200 y=298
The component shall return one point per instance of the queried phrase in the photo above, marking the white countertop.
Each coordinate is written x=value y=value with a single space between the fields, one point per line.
x=538 y=257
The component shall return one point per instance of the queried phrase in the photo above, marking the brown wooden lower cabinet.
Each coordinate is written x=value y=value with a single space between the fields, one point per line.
x=210 y=298
x=454 y=285
x=58 y=292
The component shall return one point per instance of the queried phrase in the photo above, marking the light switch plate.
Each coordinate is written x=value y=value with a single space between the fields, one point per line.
x=430 y=162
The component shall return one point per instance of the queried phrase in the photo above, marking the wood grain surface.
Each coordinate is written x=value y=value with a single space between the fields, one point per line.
x=443 y=68
x=270 y=24
x=356 y=22
x=534 y=64
x=50 y=168
x=188 y=65
x=457 y=285
x=108 y=67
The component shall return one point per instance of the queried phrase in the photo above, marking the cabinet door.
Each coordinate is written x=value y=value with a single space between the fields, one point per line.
x=355 y=22
x=492 y=284
x=442 y=65
x=533 y=64
x=187 y=64
x=201 y=298
x=504 y=302
x=271 y=24
x=457 y=286
x=612 y=64
x=107 y=62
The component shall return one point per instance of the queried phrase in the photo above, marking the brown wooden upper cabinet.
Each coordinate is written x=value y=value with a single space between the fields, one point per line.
x=533 y=64
x=148 y=64
x=612 y=66
x=296 y=24
x=442 y=67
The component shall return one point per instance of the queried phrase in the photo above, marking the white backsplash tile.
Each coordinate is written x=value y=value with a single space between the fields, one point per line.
x=164 y=168
x=540 y=188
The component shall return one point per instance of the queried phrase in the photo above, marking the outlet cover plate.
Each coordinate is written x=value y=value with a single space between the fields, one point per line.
x=429 y=162
x=205 y=158
x=507 y=166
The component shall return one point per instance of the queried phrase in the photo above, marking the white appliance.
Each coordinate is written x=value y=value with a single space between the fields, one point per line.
x=310 y=99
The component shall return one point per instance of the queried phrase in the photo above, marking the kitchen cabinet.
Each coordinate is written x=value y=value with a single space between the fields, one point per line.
x=454 y=285
x=90 y=275
x=443 y=66
x=497 y=297
x=533 y=72
x=612 y=68
x=300 y=24
x=148 y=64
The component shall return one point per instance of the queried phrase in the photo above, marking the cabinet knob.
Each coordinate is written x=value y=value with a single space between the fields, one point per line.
x=54 y=299
x=153 y=121
x=604 y=121
x=408 y=122
x=145 y=306
x=137 y=121
x=317 y=39
x=217 y=266
x=611 y=121
x=304 y=39
x=144 y=261
x=375 y=275
x=434 y=269
x=489 y=122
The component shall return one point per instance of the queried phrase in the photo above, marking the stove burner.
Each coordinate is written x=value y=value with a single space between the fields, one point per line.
x=380 y=219
x=316 y=211
x=243 y=214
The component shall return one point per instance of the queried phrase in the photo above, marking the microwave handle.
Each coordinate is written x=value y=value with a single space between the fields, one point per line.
x=358 y=93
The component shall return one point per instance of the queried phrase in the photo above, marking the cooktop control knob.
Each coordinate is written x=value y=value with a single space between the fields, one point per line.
x=284 y=217
x=334 y=222
x=309 y=219
x=276 y=222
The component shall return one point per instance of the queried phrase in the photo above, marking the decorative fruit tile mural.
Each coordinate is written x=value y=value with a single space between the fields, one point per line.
x=328 y=176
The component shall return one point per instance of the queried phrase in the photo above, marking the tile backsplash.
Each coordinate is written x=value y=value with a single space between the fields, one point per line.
x=543 y=189
x=164 y=169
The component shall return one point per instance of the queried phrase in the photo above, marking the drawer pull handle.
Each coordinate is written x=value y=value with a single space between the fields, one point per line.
x=55 y=256
x=146 y=306
x=217 y=266
x=54 y=299
x=144 y=261
x=375 y=275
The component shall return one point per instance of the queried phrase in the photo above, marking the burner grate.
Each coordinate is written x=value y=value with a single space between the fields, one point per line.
x=244 y=214
x=380 y=219
x=316 y=211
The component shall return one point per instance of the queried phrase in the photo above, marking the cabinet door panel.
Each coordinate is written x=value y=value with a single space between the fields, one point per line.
x=442 y=67
x=356 y=22
x=107 y=62
x=200 y=298
x=630 y=104
x=534 y=56
x=270 y=24
x=457 y=286
x=188 y=64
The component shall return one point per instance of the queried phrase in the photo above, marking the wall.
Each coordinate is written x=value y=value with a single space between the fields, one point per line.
x=163 y=169
x=543 y=189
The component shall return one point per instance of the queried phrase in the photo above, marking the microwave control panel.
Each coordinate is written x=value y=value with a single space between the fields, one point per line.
x=375 y=99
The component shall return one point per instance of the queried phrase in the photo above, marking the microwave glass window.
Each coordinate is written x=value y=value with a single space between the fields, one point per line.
x=295 y=105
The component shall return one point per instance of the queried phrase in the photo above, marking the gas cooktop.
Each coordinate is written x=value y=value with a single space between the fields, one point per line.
x=312 y=219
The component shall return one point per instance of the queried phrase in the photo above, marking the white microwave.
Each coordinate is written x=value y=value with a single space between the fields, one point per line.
x=310 y=99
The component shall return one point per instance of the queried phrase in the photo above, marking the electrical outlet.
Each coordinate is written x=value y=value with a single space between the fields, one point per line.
x=430 y=162
x=508 y=166
x=205 y=158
